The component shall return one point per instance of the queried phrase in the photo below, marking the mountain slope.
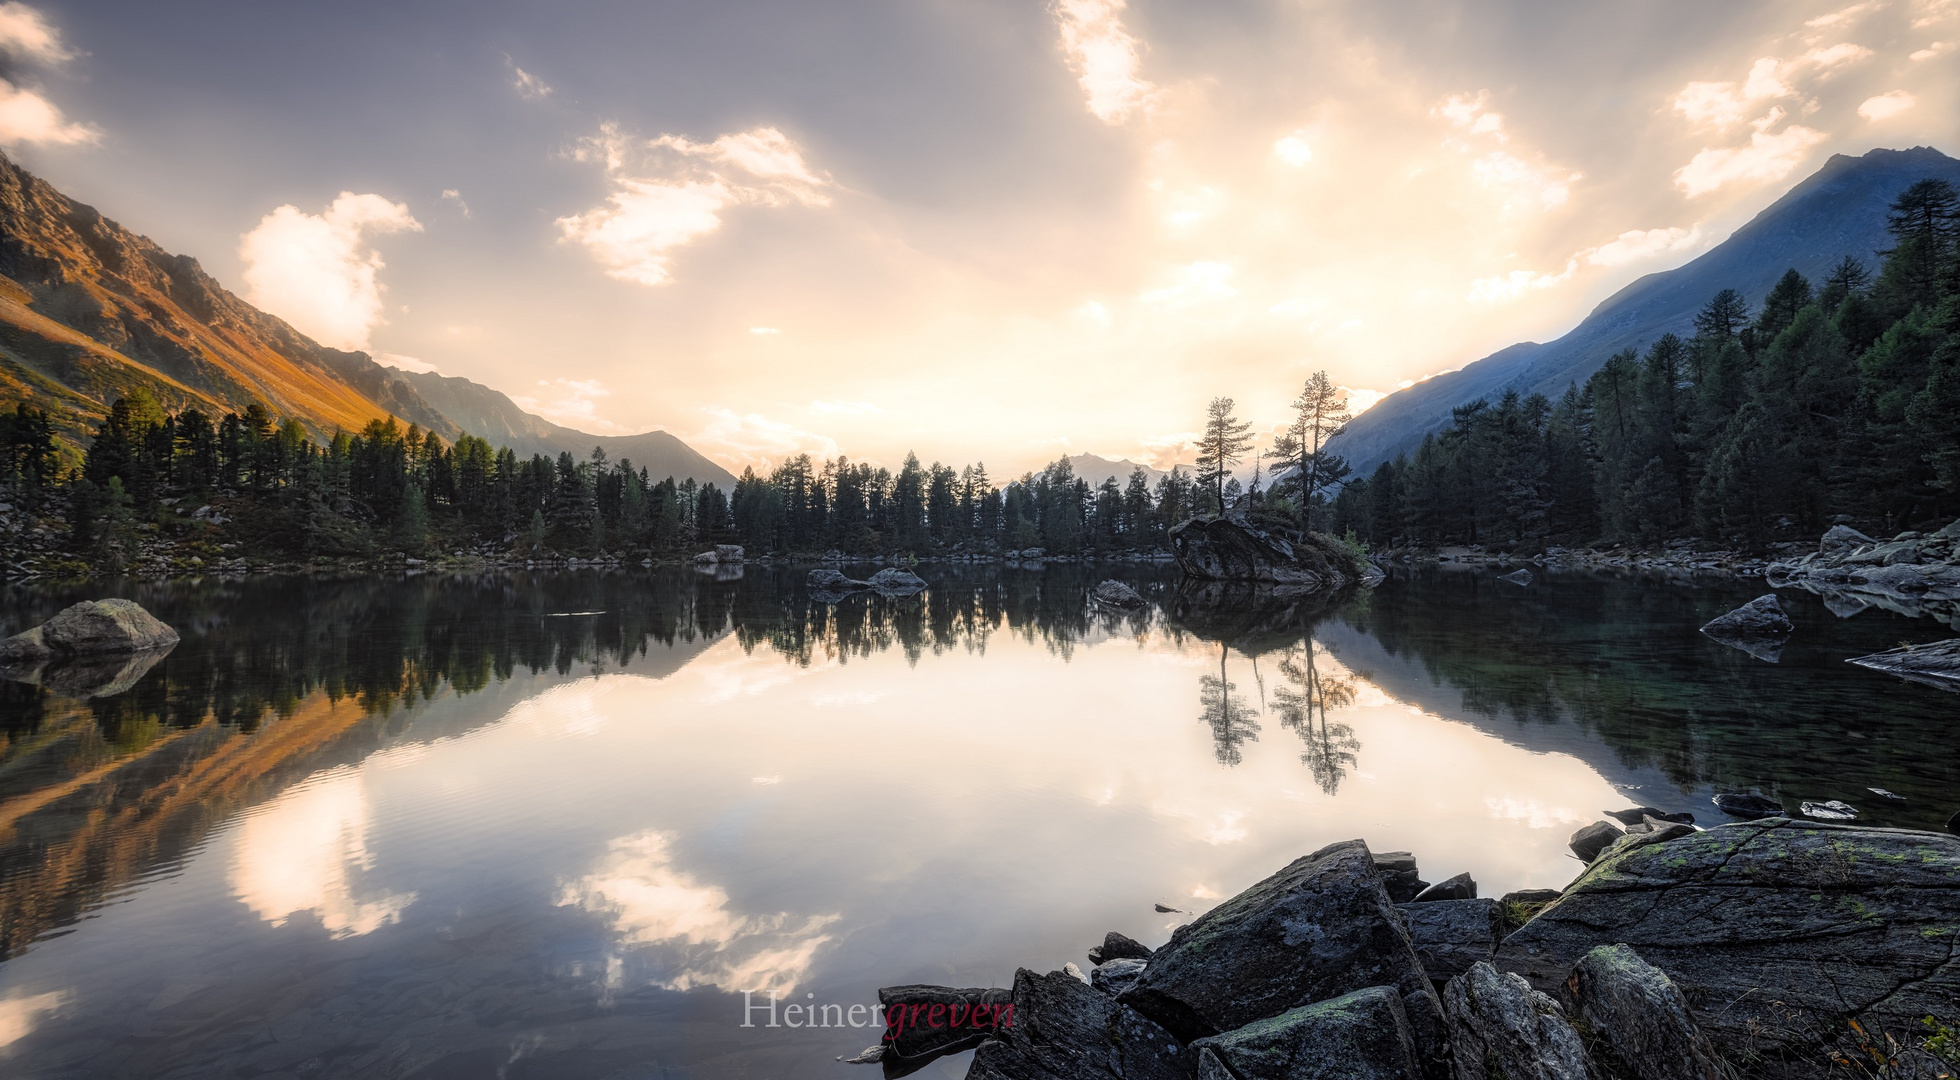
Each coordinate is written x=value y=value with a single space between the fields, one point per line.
x=493 y=416
x=1840 y=210
x=1096 y=469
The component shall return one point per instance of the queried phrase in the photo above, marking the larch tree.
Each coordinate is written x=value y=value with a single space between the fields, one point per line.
x=1223 y=445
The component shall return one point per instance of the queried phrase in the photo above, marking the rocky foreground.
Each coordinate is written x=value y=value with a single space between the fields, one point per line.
x=1915 y=574
x=1769 y=948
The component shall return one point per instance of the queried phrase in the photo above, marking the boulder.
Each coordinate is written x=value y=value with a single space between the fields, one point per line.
x=897 y=582
x=1778 y=932
x=1117 y=595
x=1063 y=1030
x=1748 y=806
x=1451 y=935
x=926 y=1022
x=1842 y=540
x=826 y=580
x=1937 y=664
x=1517 y=577
x=1502 y=1029
x=1633 y=1008
x=1117 y=946
x=1113 y=977
x=728 y=553
x=1319 y=928
x=1460 y=887
x=706 y=558
x=1830 y=810
x=1399 y=875
x=90 y=628
x=1637 y=814
x=1230 y=549
x=1364 y=1035
x=1761 y=617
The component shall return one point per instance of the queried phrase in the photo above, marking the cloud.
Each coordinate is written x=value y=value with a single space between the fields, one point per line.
x=304 y=851
x=455 y=198
x=1360 y=401
x=317 y=271
x=1526 y=185
x=846 y=408
x=1637 y=244
x=764 y=330
x=1194 y=283
x=1294 y=149
x=654 y=904
x=751 y=439
x=1766 y=158
x=1885 y=106
x=404 y=363
x=28 y=117
x=1104 y=57
x=528 y=86
x=1723 y=105
x=1932 y=50
x=27 y=34
x=571 y=402
x=670 y=191
x=1843 y=15
x=1508 y=287
x=18 y=1014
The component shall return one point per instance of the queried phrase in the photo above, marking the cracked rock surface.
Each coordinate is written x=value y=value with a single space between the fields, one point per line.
x=1777 y=932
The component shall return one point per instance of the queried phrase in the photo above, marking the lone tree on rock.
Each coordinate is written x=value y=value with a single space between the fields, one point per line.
x=1223 y=445
x=1319 y=414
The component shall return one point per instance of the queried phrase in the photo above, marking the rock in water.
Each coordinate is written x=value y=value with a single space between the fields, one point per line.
x=897 y=582
x=1228 y=549
x=916 y=1034
x=1638 y=814
x=1460 y=887
x=1830 y=810
x=1113 y=977
x=1842 y=540
x=97 y=676
x=1320 y=928
x=1117 y=946
x=1937 y=664
x=1749 y=807
x=1399 y=874
x=1364 y=1035
x=1451 y=935
x=728 y=553
x=90 y=628
x=828 y=580
x=1117 y=595
x=1502 y=1029
x=1517 y=577
x=1638 y=1012
x=1758 y=628
x=1063 y=1030
x=1842 y=922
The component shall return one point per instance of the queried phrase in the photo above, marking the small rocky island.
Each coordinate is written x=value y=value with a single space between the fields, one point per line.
x=1771 y=948
x=1235 y=548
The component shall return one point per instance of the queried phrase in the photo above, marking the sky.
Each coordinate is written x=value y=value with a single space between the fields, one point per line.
x=974 y=229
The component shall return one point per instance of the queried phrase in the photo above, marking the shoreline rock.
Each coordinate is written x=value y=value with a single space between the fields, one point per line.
x=1936 y=664
x=1233 y=549
x=1913 y=574
x=90 y=628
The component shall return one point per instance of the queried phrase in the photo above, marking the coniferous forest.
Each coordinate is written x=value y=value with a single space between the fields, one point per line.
x=1831 y=401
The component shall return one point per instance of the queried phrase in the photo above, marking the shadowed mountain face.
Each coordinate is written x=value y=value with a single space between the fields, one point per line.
x=1840 y=210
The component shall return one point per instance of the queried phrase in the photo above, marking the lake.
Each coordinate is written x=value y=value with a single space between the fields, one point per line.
x=585 y=824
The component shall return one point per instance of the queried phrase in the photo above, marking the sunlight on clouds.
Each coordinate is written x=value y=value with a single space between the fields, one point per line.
x=1843 y=15
x=1532 y=813
x=651 y=903
x=1294 y=149
x=26 y=33
x=527 y=85
x=1517 y=283
x=1360 y=401
x=18 y=1014
x=1527 y=185
x=303 y=853
x=27 y=117
x=1104 y=57
x=1637 y=244
x=670 y=191
x=455 y=198
x=1930 y=51
x=1197 y=283
x=571 y=402
x=738 y=440
x=1767 y=157
x=1885 y=106
x=318 y=272
x=404 y=363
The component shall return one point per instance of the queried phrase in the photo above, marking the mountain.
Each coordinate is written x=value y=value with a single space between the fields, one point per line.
x=90 y=311
x=491 y=415
x=1840 y=210
x=1097 y=469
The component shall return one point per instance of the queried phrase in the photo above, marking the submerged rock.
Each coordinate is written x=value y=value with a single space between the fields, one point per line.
x=1830 y=810
x=1761 y=617
x=1451 y=935
x=90 y=628
x=1319 y=928
x=1460 y=887
x=1502 y=1029
x=1641 y=1016
x=1937 y=664
x=830 y=581
x=1117 y=595
x=1637 y=814
x=1748 y=806
x=1364 y=1035
x=898 y=582
x=1117 y=946
x=1230 y=549
x=1778 y=932
x=1588 y=842
x=1063 y=1030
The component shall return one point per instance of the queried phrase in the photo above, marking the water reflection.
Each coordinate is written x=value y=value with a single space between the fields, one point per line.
x=1230 y=718
x=1331 y=746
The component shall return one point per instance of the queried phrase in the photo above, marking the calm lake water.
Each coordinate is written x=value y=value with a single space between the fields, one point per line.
x=557 y=825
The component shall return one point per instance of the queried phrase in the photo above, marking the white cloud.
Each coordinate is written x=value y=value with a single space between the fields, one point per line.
x=26 y=33
x=1825 y=60
x=28 y=117
x=1637 y=244
x=751 y=439
x=1471 y=112
x=1842 y=15
x=1885 y=106
x=1294 y=149
x=1932 y=50
x=571 y=402
x=764 y=330
x=455 y=198
x=653 y=904
x=18 y=1014
x=1526 y=185
x=1935 y=11
x=317 y=271
x=1360 y=401
x=1767 y=157
x=1104 y=57
x=670 y=191
x=1723 y=105
x=1194 y=283
x=404 y=363
x=1507 y=287
x=304 y=851
x=528 y=86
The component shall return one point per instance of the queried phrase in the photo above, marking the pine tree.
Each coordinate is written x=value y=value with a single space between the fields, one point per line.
x=1225 y=440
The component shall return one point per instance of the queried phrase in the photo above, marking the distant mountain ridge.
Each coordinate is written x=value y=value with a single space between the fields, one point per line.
x=90 y=311
x=1096 y=469
x=1839 y=210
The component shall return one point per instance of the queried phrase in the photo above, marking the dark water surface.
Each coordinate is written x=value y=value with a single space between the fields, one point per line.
x=557 y=826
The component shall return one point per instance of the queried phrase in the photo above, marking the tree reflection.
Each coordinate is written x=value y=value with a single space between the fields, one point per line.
x=1331 y=748
x=1230 y=718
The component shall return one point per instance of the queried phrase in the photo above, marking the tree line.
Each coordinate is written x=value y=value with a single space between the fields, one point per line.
x=1832 y=402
